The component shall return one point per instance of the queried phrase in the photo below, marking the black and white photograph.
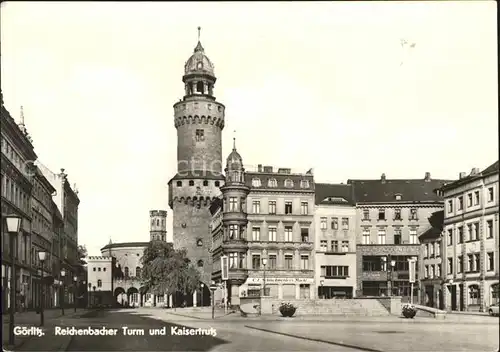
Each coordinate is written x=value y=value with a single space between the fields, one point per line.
x=250 y=176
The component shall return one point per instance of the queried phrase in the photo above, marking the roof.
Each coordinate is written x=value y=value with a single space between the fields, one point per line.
x=215 y=205
x=326 y=193
x=280 y=180
x=436 y=226
x=125 y=245
x=493 y=168
x=196 y=174
x=199 y=63
x=386 y=191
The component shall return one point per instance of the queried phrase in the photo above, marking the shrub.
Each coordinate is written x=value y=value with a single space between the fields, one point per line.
x=287 y=309
x=409 y=310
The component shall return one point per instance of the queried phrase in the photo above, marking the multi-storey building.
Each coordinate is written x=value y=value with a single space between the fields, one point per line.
x=431 y=265
x=16 y=184
x=471 y=231
x=265 y=226
x=100 y=283
x=390 y=215
x=158 y=231
x=335 y=241
x=199 y=120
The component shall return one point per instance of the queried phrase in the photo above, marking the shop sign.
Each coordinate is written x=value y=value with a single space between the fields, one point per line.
x=279 y=280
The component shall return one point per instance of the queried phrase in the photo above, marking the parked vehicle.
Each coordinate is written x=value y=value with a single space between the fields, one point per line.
x=493 y=309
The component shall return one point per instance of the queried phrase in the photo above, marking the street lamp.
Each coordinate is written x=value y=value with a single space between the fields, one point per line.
x=393 y=264
x=213 y=287
x=74 y=291
x=41 y=257
x=88 y=296
x=93 y=295
x=13 y=227
x=264 y=263
x=322 y=291
x=63 y=274
x=202 y=286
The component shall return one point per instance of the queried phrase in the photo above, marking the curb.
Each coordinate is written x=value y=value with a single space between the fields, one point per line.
x=315 y=340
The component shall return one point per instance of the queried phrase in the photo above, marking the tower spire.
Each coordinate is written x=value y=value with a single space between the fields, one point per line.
x=199 y=47
x=234 y=140
x=22 y=126
x=199 y=33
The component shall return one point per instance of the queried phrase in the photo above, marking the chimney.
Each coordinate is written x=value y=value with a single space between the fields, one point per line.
x=382 y=178
x=474 y=171
x=259 y=168
x=427 y=176
x=461 y=175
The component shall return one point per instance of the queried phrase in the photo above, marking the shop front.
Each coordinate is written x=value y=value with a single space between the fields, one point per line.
x=279 y=287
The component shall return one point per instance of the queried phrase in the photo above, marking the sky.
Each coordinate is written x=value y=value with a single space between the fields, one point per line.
x=305 y=84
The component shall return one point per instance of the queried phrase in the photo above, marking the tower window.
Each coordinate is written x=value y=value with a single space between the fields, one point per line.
x=200 y=263
x=217 y=183
x=200 y=87
x=157 y=222
x=191 y=182
x=200 y=135
x=199 y=243
x=205 y=183
x=179 y=183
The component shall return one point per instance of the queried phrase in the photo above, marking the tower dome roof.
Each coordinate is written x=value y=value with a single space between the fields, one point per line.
x=234 y=160
x=199 y=63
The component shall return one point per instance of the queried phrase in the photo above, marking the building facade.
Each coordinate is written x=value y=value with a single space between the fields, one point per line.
x=390 y=215
x=16 y=184
x=264 y=224
x=100 y=283
x=199 y=120
x=335 y=241
x=471 y=271
x=431 y=265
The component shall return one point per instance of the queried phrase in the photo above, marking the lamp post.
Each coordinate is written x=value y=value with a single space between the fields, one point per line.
x=264 y=263
x=88 y=295
x=322 y=289
x=202 y=287
x=213 y=287
x=74 y=291
x=93 y=296
x=393 y=264
x=63 y=274
x=41 y=256
x=13 y=227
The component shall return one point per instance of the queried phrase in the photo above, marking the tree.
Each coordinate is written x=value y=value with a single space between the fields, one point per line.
x=82 y=253
x=165 y=269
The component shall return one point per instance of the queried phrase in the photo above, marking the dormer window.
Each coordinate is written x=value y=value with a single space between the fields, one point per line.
x=398 y=196
x=256 y=182
x=272 y=183
x=304 y=183
x=288 y=183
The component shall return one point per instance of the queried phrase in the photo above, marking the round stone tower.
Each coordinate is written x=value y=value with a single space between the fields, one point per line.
x=158 y=228
x=199 y=120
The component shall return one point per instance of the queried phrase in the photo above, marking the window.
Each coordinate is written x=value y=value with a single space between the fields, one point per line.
x=426 y=251
x=335 y=223
x=450 y=265
x=470 y=261
x=272 y=234
x=345 y=223
x=491 y=195
x=381 y=214
x=413 y=214
x=304 y=208
x=200 y=135
x=191 y=183
x=460 y=264
x=397 y=236
x=431 y=272
x=94 y=269
x=413 y=236
x=397 y=214
x=381 y=236
x=477 y=262
x=460 y=234
x=473 y=295
x=460 y=205
x=372 y=263
x=476 y=198
x=288 y=261
x=366 y=236
x=256 y=261
x=304 y=183
x=345 y=246
x=233 y=231
x=431 y=249
x=272 y=261
x=256 y=182
x=288 y=207
x=126 y=271
x=469 y=200
x=272 y=207
x=255 y=233
x=99 y=283
x=438 y=249
x=323 y=223
x=217 y=183
x=137 y=271
x=470 y=230
x=475 y=232
x=323 y=245
x=256 y=207
x=205 y=183
x=450 y=237
x=272 y=183
x=333 y=271
x=491 y=262
x=288 y=234
x=233 y=204
x=450 y=206
x=366 y=214
x=334 y=246
x=304 y=262
x=304 y=234
x=288 y=183
x=233 y=260
x=398 y=196
x=199 y=242
x=438 y=270
x=489 y=229
x=426 y=271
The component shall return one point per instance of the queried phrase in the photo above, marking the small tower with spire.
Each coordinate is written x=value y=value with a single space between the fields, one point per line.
x=158 y=227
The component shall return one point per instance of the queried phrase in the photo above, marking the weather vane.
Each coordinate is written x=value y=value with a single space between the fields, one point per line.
x=199 y=33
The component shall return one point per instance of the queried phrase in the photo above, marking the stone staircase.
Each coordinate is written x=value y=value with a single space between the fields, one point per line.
x=339 y=307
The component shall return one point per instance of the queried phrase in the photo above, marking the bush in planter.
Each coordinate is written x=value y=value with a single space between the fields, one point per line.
x=409 y=311
x=287 y=309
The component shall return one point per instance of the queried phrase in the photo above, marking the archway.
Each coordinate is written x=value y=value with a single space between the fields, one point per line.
x=494 y=293
x=203 y=295
x=120 y=296
x=143 y=295
x=133 y=297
